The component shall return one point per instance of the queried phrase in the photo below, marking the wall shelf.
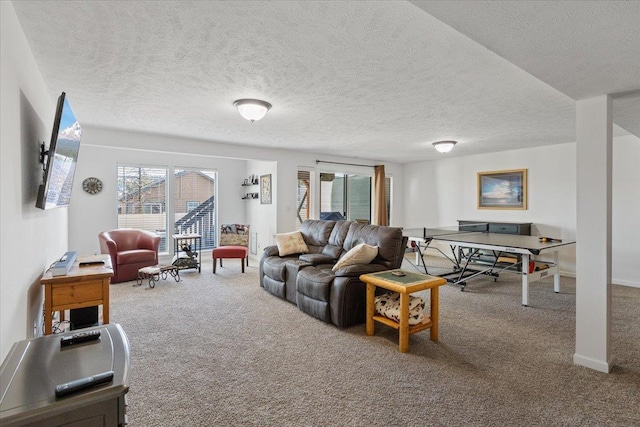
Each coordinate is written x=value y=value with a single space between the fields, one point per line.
x=250 y=182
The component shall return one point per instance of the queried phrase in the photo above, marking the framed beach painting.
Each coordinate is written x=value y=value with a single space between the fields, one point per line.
x=502 y=189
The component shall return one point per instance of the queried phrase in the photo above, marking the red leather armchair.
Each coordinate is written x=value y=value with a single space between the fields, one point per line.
x=130 y=250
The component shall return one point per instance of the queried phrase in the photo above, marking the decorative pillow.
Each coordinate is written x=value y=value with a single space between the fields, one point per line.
x=291 y=243
x=359 y=254
x=388 y=305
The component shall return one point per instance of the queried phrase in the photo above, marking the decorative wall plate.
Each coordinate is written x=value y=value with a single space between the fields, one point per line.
x=92 y=185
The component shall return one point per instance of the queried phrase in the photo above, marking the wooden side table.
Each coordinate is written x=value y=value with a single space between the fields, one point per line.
x=405 y=285
x=82 y=286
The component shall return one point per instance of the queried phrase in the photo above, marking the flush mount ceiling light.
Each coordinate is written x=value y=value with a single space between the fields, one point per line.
x=252 y=109
x=444 y=146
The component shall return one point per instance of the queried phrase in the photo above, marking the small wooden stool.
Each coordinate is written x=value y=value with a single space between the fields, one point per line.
x=155 y=272
x=222 y=252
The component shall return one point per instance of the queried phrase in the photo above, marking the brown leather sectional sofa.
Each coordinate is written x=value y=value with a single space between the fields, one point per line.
x=308 y=281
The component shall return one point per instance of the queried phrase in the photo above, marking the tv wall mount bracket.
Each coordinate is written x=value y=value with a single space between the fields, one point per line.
x=44 y=154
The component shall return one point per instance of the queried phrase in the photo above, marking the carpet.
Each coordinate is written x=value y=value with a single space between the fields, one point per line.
x=219 y=350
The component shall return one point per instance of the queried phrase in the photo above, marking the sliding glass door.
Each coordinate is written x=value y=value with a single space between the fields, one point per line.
x=342 y=195
x=142 y=200
x=345 y=196
x=147 y=200
x=194 y=204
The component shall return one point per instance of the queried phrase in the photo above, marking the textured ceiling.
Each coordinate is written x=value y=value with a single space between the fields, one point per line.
x=378 y=80
x=581 y=48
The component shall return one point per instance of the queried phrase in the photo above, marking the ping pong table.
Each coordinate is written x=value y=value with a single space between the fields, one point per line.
x=466 y=241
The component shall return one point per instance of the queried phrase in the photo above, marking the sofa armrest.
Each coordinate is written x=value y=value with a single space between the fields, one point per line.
x=110 y=247
x=317 y=259
x=270 y=251
x=148 y=240
x=107 y=244
x=357 y=270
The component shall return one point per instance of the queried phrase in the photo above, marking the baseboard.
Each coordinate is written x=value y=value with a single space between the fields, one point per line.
x=571 y=274
x=629 y=283
x=594 y=364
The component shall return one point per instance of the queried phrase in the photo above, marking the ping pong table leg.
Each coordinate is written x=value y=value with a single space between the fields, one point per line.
x=420 y=255
x=556 y=275
x=525 y=280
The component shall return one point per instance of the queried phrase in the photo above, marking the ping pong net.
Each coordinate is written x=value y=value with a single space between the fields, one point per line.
x=430 y=233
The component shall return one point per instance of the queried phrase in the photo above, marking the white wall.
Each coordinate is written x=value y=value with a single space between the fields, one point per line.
x=102 y=149
x=262 y=217
x=443 y=191
x=91 y=214
x=625 y=233
x=31 y=238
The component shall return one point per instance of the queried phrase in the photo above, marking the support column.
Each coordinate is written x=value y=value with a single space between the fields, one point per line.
x=594 y=135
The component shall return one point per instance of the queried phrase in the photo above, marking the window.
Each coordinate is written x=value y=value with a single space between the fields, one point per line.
x=153 y=208
x=142 y=199
x=345 y=196
x=358 y=198
x=303 y=197
x=144 y=202
x=194 y=201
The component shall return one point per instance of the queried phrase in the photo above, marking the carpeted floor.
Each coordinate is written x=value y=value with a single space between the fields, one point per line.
x=218 y=350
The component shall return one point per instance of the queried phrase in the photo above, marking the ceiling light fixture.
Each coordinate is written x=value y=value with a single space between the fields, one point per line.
x=444 y=146
x=252 y=109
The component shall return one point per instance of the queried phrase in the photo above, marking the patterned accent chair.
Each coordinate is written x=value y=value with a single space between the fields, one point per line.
x=130 y=249
x=234 y=243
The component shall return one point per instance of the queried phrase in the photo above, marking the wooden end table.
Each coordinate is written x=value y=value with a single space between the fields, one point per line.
x=85 y=285
x=405 y=285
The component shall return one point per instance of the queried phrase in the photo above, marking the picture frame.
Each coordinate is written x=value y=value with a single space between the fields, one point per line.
x=265 y=189
x=506 y=189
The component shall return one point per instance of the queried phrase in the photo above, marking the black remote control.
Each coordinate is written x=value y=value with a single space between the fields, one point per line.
x=83 y=383
x=79 y=337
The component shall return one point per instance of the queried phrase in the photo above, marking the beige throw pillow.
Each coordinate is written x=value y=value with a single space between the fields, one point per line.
x=291 y=243
x=359 y=254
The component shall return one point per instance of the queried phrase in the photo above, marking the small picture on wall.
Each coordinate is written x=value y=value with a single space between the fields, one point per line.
x=502 y=189
x=265 y=189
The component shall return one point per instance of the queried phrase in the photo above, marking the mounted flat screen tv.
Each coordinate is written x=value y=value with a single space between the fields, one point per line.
x=60 y=167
